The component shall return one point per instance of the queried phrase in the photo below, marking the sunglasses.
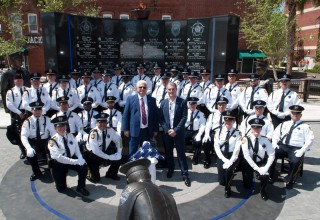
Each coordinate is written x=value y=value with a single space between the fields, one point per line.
x=142 y=87
x=256 y=127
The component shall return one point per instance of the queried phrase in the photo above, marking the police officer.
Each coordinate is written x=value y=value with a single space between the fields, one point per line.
x=280 y=100
x=250 y=94
x=97 y=79
x=7 y=77
x=141 y=199
x=141 y=76
x=88 y=90
x=17 y=113
x=156 y=80
x=125 y=89
x=185 y=75
x=65 y=155
x=75 y=80
x=193 y=89
x=235 y=91
x=87 y=116
x=51 y=85
x=161 y=92
x=108 y=89
x=292 y=139
x=35 y=133
x=36 y=94
x=97 y=150
x=227 y=146
x=74 y=125
x=207 y=86
x=218 y=91
x=267 y=129
x=115 y=116
x=256 y=148
x=175 y=76
x=195 y=126
x=117 y=78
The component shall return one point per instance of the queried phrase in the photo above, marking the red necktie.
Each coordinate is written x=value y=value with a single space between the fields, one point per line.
x=143 y=113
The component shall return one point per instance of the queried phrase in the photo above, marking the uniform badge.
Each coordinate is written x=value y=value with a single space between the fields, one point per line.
x=92 y=136
x=51 y=143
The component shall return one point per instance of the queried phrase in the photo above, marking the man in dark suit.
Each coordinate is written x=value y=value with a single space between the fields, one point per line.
x=173 y=116
x=140 y=119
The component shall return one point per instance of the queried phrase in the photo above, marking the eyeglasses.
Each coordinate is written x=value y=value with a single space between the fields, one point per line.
x=142 y=87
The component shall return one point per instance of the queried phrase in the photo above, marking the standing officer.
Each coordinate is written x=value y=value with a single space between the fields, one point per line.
x=256 y=149
x=65 y=155
x=175 y=76
x=227 y=147
x=185 y=75
x=115 y=116
x=141 y=76
x=292 y=139
x=207 y=86
x=267 y=129
x=235 y=91
x=173 y=116
x=216 y=92
x=75 y=80
x=250 y=94
x=161 y=92
x=280 y=100
x=97 y=79
x=108 y=89
x=35 y=133
x=36 y=94
x=51 y=85
x=7 y=77
x=156 y=80
x=17 y=113
x=117 y=78
x=97 y=150
x=87 y=115
x=125 y=89
x=193 y=89
x=194 y=126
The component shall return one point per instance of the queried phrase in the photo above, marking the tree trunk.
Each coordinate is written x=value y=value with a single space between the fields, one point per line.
x=291 y=37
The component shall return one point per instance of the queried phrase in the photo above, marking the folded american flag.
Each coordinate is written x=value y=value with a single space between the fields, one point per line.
x=146 y=151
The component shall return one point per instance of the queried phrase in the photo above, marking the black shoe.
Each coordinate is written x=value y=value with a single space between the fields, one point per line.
x=83 y=191
x=22 y=156
x=289 y=185
x=227 y=193
x=91 y=179
x=195 y=162
x=264 y=195
x=187 y=181
x=206 y=165
x=170 y=174
x=33 y=177
x=270 y=180
x=112 y=177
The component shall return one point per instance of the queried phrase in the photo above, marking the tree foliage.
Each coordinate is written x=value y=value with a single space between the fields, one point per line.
x=263 y=26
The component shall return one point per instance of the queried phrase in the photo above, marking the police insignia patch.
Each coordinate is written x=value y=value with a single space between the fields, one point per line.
x=92 y=136
x=51 y=143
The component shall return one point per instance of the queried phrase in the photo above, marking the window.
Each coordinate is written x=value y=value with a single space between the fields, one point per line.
x=107 y=15
x=124 y=16
x=166 y=17
x=33 y=23
x=16 y=25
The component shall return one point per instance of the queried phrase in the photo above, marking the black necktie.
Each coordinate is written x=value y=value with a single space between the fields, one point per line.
x=104 y=141
x=163 y=94
x=68 y=127
x=50 y=90
x=255 y=150
x=110 y=119
x=123 y=88
x=226 y=145
x=217 y=99
x=86 y=91
x=191 y=121
x=38 y=95
x=220 y=120
x=65 y=142
x=21 y=92
x=89 y=119
x=290 y=133
x=230 y=88
x=64 y=93
x=251 y=99
x=189 y=92
x=38 y=130
x=281 y=104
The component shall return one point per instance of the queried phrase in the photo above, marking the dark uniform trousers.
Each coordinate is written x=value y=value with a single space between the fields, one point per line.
x=190 y=135
x=94 y=162
x=294 y=162
x=247 y=172
x=208 y=147
x=40 y=146
x=16 y=123
x=59 y=174
x=225 y=176
x=276 y=121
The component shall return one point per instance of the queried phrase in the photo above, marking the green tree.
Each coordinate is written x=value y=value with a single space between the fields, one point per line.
x=263 y=26
x=292 y=6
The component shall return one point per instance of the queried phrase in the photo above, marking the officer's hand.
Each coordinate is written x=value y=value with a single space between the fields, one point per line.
x=30 y=152
x=126 y=133
x=206 y=138
x=276 y=146
x=21 y=116
x=227 y=164
x=250 y=111
x=298 y=153
x=281 y=115
x=263 y=170
x=197 y=137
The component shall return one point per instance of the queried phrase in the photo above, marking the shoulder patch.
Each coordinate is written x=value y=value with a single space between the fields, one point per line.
x=92 y=136
x=243 y=140
x=51 y=143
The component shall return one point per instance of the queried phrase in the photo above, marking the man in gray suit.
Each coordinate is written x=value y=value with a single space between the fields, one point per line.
x=173 y=116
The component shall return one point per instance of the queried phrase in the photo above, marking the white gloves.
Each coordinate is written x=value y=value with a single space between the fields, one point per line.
x=299 y=153
x=250 y=111
x=281 y=115
x=263 y=170
x=197 y=137
x=116 y=156
x=275 y=146
x=227 y=164
x=30 y=152
x=206 y=138
x=81 y=161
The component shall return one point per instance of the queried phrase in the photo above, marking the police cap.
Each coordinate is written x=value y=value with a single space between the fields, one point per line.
x=285 y=77
x=35 y=76
x=229 y=115
x=259 y=103
x=111 y=99
x=101 y=117
x=223 y=100
x=60 y=120
x=64 y=78
x=232 y=72
x=256 y=122
x=36 y=105
x=296 y=108
x=219 y=77
x=192 y=100
x=87 y=99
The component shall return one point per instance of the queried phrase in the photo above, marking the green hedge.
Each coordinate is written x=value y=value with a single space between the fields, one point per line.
x=316 y=69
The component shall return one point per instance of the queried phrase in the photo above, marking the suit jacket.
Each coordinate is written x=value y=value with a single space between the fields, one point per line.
x=131 y=116
x=180 y=116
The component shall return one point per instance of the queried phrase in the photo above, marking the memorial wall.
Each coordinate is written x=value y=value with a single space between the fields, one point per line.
x=78 y=42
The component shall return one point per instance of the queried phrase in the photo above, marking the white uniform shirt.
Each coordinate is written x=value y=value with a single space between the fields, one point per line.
x=216 y=93
x=117 y=80
x=199 y=120
x=244 y=99
x=125 y=90
x=94 y=143
x=74 y=121
x=156 y=82
x=96 y=82
x=58 y=150
x=92 y=92
x=106 y=90
x=74 y=83
x=72 y=94
x=160 y=94
x=291 y=98
x=234 y=142
x=29 y=129
x=85 y=118
x=30 y=95
x=194 y=90
x=213 y=122
x=181 y=86
x=14 y=99
x=235 y=92
x=267 y=129
x=54 y=86
x=116 y=118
